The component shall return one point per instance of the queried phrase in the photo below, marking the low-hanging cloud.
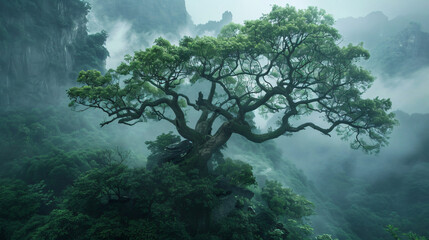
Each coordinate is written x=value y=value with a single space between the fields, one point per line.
x=123 y=40
x=410 y=93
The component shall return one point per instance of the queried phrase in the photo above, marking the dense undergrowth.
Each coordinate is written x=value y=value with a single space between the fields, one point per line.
x=62 y=178
x=60 y=182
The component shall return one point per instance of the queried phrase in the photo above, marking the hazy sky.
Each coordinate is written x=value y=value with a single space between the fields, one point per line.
x=205 y=10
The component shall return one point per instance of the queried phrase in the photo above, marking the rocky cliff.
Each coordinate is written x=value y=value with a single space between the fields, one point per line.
x=43 y=45
x=398 y=46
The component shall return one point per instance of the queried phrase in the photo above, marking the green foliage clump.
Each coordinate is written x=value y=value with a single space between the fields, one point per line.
x=89 y=52
x=162 y=141
x=165 y=200
x=20 y=203
x=48 y=144
x=236 y=172
x=158 y=146
x=17 y=201
x=239 y=225
x=325 y=237
x=62 y=224
x=282 y=201
x=396 y=234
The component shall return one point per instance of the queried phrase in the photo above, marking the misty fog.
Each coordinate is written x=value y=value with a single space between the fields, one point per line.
x=356 y=195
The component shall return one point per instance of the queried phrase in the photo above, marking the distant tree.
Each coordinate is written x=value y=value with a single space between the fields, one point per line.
x=325 y=237
x=287 y=62
x=284 y=204
x=17 y=201
x=396 y=234
x=282 y=201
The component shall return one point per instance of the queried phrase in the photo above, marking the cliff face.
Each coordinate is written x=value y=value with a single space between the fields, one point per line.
x=42 y=45
x=404 y=52
x=45 y=43
x=214 y=27
x=398 y=46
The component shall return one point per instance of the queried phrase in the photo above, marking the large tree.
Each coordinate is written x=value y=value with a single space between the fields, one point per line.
x=288 y=63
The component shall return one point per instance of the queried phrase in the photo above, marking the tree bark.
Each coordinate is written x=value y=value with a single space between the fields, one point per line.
x=203 y=151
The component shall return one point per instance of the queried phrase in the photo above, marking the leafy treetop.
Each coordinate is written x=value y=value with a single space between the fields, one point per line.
x=288 y=62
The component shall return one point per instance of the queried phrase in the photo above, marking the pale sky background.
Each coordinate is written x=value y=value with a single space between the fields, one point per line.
x=205 y=10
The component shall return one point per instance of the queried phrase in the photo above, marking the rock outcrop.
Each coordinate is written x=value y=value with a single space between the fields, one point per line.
x=43 y=46
x=398 y=46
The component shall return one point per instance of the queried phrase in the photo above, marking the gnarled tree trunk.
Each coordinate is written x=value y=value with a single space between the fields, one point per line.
x=203 y=150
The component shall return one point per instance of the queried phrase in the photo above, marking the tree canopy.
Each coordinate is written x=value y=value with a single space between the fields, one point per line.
x=288 y=62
